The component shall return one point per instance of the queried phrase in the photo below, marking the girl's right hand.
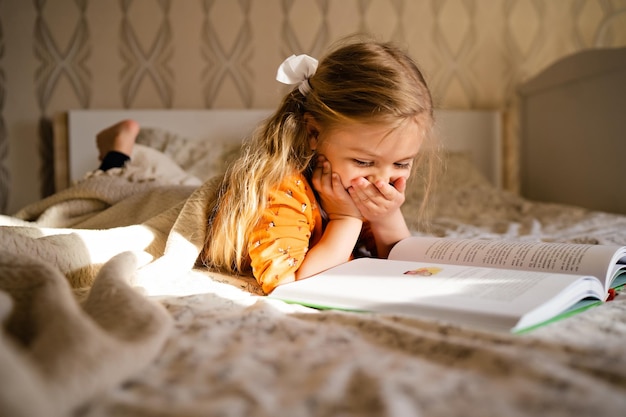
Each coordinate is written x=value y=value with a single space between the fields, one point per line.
x=343 y=228
x=335 y=200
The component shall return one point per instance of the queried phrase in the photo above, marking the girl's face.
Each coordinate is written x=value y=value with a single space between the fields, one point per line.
x=374 y=152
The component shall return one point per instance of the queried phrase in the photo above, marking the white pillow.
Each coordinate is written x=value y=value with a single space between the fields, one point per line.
x=199 y=158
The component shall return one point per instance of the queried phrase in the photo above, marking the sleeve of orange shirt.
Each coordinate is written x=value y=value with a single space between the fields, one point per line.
x=289 y=225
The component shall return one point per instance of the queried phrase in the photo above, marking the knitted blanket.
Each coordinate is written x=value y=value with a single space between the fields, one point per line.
x=74 y=324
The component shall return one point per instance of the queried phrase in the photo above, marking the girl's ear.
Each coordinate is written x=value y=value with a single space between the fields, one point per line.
x=312 y=129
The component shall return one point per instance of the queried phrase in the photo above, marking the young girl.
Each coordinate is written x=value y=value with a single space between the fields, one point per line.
x=330 y=166
x=323 y=176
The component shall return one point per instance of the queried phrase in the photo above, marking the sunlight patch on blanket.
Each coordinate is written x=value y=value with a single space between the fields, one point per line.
x=102 y=245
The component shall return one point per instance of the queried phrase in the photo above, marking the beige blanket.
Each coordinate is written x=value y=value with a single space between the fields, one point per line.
x=74 y=325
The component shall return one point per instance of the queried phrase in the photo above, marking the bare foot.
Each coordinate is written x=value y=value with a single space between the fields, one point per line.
x=120 y=137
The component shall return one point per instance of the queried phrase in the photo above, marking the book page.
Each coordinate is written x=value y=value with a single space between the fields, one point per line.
x=566 y=258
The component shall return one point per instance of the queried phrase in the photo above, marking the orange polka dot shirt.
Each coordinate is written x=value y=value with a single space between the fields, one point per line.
x=290 y=224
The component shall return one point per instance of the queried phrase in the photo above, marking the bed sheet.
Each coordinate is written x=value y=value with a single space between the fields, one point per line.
x=235 y=354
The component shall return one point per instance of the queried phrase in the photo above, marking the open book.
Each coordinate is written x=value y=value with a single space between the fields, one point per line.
x=492 y=284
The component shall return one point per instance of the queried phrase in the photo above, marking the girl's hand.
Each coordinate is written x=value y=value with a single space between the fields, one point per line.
x=379 y=203
x=335 y=200
x=343 y=228
x=377 y=200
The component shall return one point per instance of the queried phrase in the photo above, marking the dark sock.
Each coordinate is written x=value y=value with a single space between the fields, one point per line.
x=113 y=159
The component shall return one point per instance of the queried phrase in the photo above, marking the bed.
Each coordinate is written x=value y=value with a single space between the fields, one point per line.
x=203 y=343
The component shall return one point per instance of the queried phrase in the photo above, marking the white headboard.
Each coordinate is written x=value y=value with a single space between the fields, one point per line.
x=476 y=132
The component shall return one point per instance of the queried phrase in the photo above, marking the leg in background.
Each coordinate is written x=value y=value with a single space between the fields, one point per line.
x=115 y=144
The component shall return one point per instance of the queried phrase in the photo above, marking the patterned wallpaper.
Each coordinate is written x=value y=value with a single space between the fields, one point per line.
x=62 y=54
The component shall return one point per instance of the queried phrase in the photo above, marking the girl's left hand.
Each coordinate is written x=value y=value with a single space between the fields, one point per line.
x=377 y=200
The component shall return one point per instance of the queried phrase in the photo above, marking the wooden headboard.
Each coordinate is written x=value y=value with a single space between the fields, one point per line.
x=478 y=133
x=573 y=132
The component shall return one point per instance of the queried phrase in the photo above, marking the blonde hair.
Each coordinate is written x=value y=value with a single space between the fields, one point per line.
x=360 y=80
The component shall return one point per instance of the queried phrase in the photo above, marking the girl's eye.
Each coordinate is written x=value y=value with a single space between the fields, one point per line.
x=363 y=163
x=403 y=165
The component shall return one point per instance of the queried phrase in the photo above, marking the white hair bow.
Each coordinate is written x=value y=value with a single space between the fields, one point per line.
x=297 y=69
